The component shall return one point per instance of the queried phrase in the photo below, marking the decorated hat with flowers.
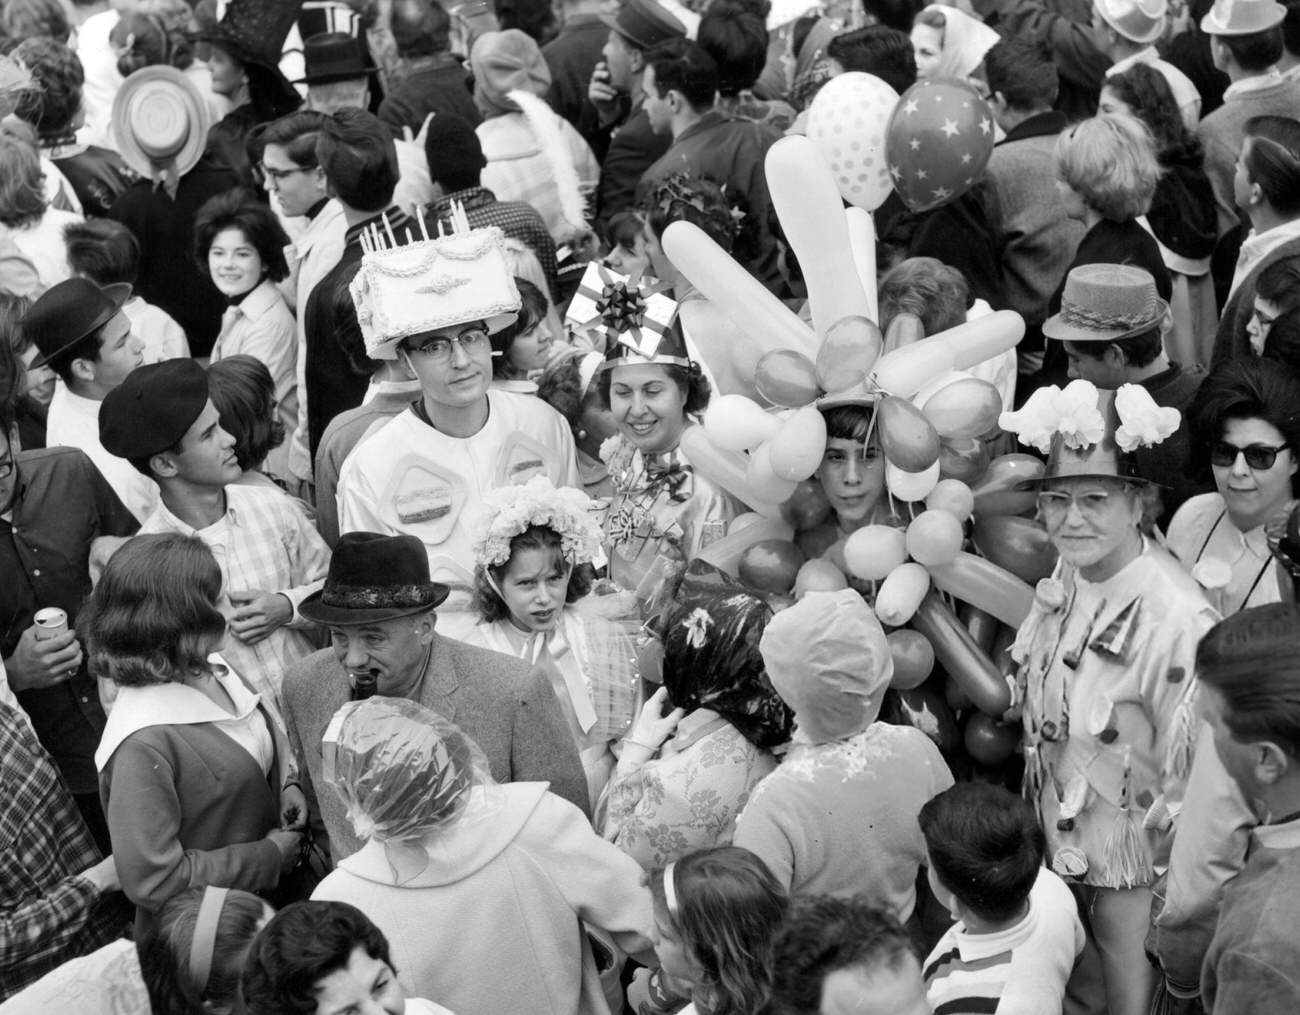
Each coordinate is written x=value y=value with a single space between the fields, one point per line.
x=510 y=511
x=1087 y=433
x=408 y=286
x=638 y=320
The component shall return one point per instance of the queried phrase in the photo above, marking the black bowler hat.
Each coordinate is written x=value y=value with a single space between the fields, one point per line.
x=68 y=312
x=152 y=409
x=645 y=23
x=373 y=577
x=332 y=56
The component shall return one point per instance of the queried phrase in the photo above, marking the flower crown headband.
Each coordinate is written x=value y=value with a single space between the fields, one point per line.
x=1073 y=414
x=510 y=511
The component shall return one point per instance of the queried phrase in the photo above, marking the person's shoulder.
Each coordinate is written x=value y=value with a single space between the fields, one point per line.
x=527 y=408
x=495 y=666
x=395 y=433
x=314 y=680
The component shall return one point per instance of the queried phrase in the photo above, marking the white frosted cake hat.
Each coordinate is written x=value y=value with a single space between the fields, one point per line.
x=409 y=289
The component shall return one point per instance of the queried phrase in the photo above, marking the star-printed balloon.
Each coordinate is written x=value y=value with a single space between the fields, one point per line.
x=939 y=140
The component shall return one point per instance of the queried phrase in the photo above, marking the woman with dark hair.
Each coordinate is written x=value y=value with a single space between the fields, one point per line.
x=242 y=244
x=1182 y=216
x=521 y=351
x=735 y=35
x=568 y=387
x=705 y=739
x=1245 y=426
x=56 y=112
x=27 y=218
x=191 y=765
x=244 y=394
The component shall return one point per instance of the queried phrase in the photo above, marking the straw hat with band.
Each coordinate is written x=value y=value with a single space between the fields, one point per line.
x=1140 y=21
x=160 y=124
x=1106 y=303
x=1242 y=17
x=68 y=312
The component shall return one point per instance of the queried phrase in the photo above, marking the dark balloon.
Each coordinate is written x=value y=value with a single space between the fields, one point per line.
x=939 y=140
x=1018 y=544
x=771 y=565
x=926 y=709
x=988 y=741
x=807 y=507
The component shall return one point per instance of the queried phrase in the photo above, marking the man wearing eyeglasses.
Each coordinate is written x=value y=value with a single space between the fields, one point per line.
x=53 y=504
x=1112 y=323
x=432 y=307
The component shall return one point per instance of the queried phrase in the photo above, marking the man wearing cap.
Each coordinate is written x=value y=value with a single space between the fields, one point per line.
x=423 y=471
x=1112 y=323
x=1127 y=32
x=162 y=421
x=53 y=505
x=379 y=606
x=85 y=338
x=618 y=101
x=338 y=75
x=1249 y=669
x=1246 y=44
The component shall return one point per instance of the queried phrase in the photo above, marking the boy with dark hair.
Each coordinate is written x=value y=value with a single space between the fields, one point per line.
x=107 y=253
x=324 y=957
x=1018 y=931
x=875 y=49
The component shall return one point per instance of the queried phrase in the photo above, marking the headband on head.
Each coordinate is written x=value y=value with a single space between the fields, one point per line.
x=204 y=942
x=670 y=890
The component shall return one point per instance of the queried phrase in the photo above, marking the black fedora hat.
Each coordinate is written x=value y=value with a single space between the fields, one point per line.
x=332 y=56
x=68 y=312
x=373 y=577
x=645 y=23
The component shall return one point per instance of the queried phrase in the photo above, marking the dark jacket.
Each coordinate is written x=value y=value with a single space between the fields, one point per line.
x=98 y=176
x=1166 y=463
x=1183 y=214
x=572 y=56
x=169 y=276
x=1231 y=340
x=436 y=84
x=633 y=149
x=62 y=504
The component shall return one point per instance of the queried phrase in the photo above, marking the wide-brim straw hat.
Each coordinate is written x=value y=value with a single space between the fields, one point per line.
x=1105 y=303
x=1140 y=21
x=1242 y=17
x=160 y=123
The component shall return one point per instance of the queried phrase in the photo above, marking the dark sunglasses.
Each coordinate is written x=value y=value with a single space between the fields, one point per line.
x=1258 y=456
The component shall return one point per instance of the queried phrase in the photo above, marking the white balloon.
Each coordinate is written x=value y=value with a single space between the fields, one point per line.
x=736 y=423
x=848 y=121
x=911 y=486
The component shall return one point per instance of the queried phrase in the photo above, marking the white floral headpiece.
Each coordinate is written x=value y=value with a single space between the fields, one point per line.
x=1142 y=423
x=1049 y=411
x=509 y=511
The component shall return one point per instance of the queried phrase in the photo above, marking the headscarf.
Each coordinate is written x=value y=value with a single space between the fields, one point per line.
x=812 y=69
x=965 y=41
x=503 y=62
x=828 y=659
x=711 y=660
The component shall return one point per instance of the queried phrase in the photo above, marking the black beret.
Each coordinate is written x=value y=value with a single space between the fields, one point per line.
x=150 y=411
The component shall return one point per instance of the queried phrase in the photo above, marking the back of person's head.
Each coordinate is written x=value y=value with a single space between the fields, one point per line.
x=33 y=19
x=1255 y=52
x=535 y=18
x=1110 y=162
x=736 y=38
x=298 y=134
x=1272 y=161
x=172 y=962
x=357 y=152
x=726 y=908
x=822 y=936
x=699 y=200
x=153 y=615
x=303 y=944
x=52 y=107
x=985 y=846
x=419 y=27
x=153 y=35
x=684 y=67
x=1279 y=282
x=1023 y=72
x=926 y=287
x=1252 y=659
x=13 y=308
x=1148 y=96
x=240 y=210
x=243 y=392
x=877 y=49
x=454 y=153
x=22 y=182
x=102 y=250
x=895 y=14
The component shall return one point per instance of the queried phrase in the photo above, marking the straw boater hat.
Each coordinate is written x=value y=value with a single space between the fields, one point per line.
x=1242 y=17
x=1105 y=303
x=1140 y=21
x=160 y=124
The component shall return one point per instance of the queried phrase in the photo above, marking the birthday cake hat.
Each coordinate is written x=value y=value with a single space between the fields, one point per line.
x=417 y=286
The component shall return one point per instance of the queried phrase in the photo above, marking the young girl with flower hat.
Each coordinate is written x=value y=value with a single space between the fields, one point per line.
x=534 y=550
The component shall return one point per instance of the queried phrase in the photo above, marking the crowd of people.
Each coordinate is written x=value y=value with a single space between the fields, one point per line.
x=402 y=614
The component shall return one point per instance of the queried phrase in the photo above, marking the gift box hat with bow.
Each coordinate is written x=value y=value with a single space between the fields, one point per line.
x=413 y=288
x=638 y=321
x=1090 y=434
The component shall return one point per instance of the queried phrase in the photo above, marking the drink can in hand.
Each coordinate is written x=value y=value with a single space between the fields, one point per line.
x=50 y=622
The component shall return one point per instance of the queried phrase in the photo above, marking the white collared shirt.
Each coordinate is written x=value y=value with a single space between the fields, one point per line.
x=1257 y=246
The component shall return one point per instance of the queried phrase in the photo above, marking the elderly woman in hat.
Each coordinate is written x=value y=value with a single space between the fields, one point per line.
x=839 y=816
x=192 y=767
x=1104 y=683
x=511 y=874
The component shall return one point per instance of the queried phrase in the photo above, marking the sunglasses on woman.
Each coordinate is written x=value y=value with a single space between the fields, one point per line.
x=1258 y=456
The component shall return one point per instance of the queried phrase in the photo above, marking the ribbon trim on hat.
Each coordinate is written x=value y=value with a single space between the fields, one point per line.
x=1081 y=316
x=373 y=597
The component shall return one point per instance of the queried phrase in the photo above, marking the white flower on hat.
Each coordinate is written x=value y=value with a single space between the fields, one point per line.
x=509 y=511
x=1049 y=411
x=1142 y=422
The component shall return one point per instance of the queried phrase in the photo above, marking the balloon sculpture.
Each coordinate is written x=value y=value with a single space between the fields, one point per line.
x=931 y=417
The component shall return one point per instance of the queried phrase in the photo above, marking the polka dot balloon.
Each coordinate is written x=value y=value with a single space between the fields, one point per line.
x=847 y=122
